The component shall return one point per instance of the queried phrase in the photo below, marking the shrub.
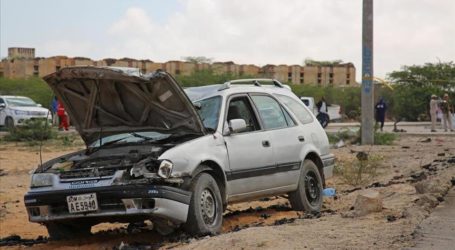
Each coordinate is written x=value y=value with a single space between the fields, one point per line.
x=384 y=138
x=360 y=171
x=33 y=130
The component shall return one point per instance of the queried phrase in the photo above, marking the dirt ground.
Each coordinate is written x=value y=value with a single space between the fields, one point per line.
x=414 y=175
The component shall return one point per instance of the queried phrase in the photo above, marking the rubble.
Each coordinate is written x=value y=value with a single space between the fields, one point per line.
x=367 y=201
x=14 y=240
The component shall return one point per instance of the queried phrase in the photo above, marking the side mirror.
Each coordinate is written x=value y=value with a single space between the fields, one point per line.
x=2 y=105
x=237 y=125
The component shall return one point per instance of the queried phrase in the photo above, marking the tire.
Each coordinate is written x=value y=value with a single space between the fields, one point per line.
x=9 y=122
x=323 y=119
x=205 y=215
x=61 y=231
x=308 y=196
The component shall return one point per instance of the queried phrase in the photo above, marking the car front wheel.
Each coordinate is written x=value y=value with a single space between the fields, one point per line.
x=308 y=196
x=205 y=214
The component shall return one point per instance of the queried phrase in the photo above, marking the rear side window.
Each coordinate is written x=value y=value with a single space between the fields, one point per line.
x=271 y=112
x=297 y=108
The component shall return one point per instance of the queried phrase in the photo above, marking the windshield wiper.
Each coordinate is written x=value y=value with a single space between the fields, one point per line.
x=94 y=149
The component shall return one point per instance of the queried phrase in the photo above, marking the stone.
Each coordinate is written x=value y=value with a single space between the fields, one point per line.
x=367 y=201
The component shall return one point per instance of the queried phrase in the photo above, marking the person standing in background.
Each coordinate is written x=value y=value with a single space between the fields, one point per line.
x=433 y=111
x=381 y=108
x=447 y=109
x=62 y=115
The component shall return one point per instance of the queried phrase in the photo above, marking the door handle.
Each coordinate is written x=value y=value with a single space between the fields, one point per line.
x=266 y=143
x=301 y=138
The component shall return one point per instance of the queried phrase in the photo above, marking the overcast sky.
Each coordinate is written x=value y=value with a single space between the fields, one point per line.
x=244 y=31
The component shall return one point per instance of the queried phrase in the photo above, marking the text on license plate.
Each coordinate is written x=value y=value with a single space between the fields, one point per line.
x=82 y=203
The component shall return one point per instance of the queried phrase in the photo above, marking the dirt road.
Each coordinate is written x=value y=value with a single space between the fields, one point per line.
x=427 y=163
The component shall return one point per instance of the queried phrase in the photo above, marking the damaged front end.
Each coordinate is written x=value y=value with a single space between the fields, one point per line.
x=119 y=184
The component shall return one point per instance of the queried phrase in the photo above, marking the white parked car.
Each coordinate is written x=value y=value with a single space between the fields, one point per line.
x=155 y=152
x=16 y=110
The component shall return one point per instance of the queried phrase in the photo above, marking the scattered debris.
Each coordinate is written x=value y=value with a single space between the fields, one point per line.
x=391 y=218
x=284 y=221
x=416 y=177
x=362 y=156
x=426 y=140
x=265 y=216
x=340 y=144
x=441 y=154
x=2 y=172
x=13 y=240
x=405 y=147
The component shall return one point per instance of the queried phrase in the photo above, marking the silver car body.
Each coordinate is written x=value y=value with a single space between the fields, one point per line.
x=249 y=165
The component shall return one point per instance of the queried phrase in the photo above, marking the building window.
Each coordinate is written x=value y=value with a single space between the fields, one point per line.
x=348 y=81
x=331 y=81
x=301 y=74
x=348 y=75
x=177 y=72
x=319 y=81
x=319 y=75
x=301 y=81
x=57 y=68
x=331 y=75
x=289 y=75
x=35 y=68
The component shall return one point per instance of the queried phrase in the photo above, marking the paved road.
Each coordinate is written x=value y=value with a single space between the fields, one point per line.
x=410 y=128
x=438 y=230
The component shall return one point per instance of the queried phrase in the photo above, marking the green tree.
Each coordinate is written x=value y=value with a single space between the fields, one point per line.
x=413 y=86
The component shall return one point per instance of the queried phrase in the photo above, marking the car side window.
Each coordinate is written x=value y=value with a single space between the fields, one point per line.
x=1 y=101
x=240 y=108
x=297 y=108
x=271 y=112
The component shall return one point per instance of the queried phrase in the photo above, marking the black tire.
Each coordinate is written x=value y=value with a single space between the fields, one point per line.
x=323 y=119
x=308 y=196
x=205 y=215
x=61 y=231
x=9 y=122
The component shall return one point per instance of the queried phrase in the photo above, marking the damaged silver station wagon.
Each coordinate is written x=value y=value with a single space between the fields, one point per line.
x=154 y=152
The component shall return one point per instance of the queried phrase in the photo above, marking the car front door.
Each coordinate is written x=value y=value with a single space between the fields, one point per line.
x=250 y=151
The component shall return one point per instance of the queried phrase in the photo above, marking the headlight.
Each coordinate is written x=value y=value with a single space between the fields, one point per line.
x=20 y=112
x=165 y=169
x=41 y=180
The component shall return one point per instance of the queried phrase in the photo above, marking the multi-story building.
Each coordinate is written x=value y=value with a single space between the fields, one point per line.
x=17 y=65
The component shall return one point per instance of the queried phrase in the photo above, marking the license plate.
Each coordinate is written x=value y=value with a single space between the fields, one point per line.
x=82 y=203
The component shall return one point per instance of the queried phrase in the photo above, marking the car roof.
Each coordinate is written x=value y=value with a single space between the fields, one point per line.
x=237 y=86
x=13 y=96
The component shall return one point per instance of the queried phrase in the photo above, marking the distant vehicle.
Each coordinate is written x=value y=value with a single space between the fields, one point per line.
x=334 y=111
x=16 y=110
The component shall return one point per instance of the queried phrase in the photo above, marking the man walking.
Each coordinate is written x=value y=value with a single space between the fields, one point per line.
x=433 y=111
x=380 y=107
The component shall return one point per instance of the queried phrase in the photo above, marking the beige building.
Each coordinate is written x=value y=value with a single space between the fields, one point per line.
x=17 y=66
x=16 y=52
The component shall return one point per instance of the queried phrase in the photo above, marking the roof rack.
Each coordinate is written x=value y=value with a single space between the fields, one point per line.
x=255 y=81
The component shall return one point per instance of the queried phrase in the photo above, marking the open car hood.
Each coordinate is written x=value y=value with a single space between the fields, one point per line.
x=107 y=101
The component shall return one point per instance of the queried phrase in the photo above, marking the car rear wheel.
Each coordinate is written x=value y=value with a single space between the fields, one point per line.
x=9 y=122
x=64 y=231
x=205 y=214
x=308 y=196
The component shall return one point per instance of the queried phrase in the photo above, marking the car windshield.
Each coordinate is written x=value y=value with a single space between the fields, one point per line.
x=209 y=111
x=20 y=102
x=130 y=138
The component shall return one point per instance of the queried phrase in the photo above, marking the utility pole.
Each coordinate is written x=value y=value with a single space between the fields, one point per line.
x=367 y=74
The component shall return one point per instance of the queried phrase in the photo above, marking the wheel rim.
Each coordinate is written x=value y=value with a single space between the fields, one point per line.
x=312 y=188
x=208 y=207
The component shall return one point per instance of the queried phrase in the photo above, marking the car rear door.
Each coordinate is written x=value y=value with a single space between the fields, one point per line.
x=250 y=152
x=286 y=138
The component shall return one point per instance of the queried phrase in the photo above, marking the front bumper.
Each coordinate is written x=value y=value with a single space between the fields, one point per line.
x=115 y=203
x=328 y=161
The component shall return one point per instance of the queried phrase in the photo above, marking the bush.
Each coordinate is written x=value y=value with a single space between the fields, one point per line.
x=360 y=171
x=384 y=138
x=33 y=130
